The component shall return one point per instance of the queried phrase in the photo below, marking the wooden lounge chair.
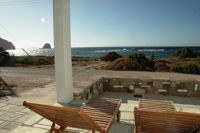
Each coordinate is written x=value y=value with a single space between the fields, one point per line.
x=156 y=104
x=164 y=121
x=95 y=115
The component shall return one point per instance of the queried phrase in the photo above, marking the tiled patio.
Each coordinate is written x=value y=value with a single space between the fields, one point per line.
x=14 y=118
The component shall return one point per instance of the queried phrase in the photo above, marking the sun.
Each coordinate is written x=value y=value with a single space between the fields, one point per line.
x=42 y=20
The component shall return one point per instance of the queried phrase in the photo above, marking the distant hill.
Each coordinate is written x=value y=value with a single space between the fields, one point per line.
x=6 y=44
x=47 y=45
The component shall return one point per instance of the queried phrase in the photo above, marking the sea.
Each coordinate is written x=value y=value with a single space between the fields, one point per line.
x=97 y=52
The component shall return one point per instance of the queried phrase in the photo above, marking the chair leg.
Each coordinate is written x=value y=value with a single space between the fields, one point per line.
x=93 y=130
x=52 y=127
x=61 y=129
x=118 y=116
x=56 y=130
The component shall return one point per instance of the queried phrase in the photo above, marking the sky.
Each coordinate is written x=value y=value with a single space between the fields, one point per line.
x=100 y=23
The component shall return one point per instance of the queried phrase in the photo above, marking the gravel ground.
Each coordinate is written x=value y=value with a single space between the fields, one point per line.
x=20 y=79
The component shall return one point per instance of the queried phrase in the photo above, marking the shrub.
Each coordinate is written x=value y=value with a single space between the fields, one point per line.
x=176 y=68
x=186 y=53
x=162 y=65
x=141 y=61
x=190 y=68
x=139 y=57
x=3 y=55
x=120 y=64
x=198 y=59
x=111 y=56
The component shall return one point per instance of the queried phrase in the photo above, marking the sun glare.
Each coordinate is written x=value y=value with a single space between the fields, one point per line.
x=42 y=19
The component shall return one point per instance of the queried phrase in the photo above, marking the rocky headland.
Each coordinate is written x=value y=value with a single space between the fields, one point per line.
x=6 y=44
x=46 y=46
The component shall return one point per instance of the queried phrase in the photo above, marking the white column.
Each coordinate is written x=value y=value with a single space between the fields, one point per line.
x=62 y=47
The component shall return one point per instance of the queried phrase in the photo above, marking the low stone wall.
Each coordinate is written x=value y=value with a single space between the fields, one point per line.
x=93 y=86
x=190 y=88
x=89 y=88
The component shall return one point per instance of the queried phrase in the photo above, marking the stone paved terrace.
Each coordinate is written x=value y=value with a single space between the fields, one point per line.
x=14 y=118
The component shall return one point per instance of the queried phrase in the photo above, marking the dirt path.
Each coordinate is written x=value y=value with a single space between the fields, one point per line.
x=20 y=79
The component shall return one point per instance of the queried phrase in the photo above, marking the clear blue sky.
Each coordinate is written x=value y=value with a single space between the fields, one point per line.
x=29 y=23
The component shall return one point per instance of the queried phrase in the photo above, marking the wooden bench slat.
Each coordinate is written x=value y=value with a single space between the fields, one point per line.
x=156 y=108
x=93 y=103
x=50 y=116
x=166 y=121
x=99 y=116
x=160 y=130
x=153 y=104
x=108 y=113
x=105 y=99
x=147 y=111
x=161 y=118
x=156 y=104
x=78 y=125
x=147 y=100
x=178 y=124
x=100 y=106
x=155 y=116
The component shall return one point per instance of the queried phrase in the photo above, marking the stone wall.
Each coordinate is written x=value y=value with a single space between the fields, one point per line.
x=89 y=88
x=93 y=86
x=190 y=88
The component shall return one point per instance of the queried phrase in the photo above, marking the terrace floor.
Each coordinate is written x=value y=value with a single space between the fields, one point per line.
x=14 y=118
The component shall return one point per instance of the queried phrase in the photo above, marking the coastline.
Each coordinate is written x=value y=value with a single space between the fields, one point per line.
x=97 y=52
x=38 y=71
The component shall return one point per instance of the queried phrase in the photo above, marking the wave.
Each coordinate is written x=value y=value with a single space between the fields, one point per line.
x=151 y=50
x=111 y=50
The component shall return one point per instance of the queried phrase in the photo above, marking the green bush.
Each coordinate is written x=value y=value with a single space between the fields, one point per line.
x=190 y=68
x=186 y=53
x=3 y=55
x=176 y=68
x=111 y=56
x=198 y=59
x=140 y=57
x=141 y=61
